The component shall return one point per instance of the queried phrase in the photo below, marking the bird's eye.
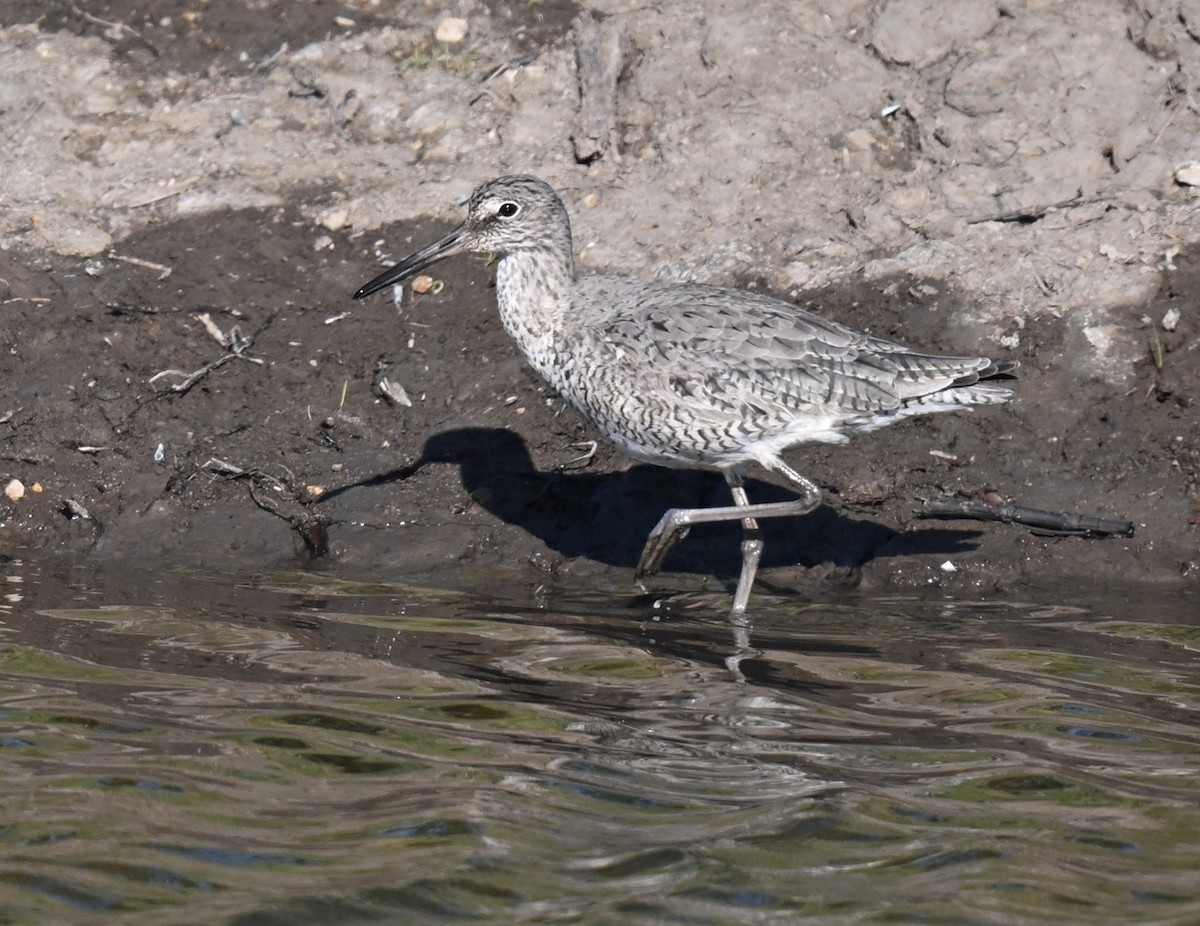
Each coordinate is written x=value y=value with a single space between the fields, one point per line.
x=508 y=210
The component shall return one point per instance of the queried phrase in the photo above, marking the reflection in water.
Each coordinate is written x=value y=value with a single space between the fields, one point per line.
x=300 y=749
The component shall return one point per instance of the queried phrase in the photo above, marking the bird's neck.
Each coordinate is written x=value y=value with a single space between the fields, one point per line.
x=533 y=294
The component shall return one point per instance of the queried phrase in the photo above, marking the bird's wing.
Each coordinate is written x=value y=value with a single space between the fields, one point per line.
x=737 y=349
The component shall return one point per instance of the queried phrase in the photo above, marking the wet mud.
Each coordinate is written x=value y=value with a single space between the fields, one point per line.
x=201 y=389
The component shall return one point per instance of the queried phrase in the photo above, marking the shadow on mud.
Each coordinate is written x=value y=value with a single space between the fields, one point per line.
x=607 y=516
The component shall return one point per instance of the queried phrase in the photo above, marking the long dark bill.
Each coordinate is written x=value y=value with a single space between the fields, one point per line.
x=453 y=243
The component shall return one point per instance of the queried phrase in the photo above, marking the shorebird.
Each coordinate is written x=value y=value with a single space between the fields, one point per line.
x=688 y=375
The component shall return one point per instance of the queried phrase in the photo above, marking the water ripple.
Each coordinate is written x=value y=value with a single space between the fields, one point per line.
x=295 y=748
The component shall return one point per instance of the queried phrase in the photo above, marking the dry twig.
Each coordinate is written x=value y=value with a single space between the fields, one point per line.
x=1037 y=520
x=238 y=345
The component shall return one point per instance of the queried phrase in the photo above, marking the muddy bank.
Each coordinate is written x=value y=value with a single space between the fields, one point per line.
x=185 y=378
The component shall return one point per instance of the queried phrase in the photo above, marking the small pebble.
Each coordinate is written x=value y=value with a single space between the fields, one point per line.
x=15 y=490
x=334 y=218
x=591 y=200
x=422 y=284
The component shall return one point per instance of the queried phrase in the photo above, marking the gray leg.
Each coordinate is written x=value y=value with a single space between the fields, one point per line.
x=752 y=543
x=676 y=523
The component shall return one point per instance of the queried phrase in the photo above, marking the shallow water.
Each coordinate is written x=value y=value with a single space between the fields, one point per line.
x=293 y=748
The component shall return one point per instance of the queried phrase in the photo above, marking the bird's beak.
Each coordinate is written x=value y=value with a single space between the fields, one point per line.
x=453 y=243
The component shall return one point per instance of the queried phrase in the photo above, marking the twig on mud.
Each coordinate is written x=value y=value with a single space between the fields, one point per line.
x=238 y=345
x=31 y=110
x=310 y=88
x=113 y=30
x=492 y=73
x=1039 y=521
x=236 y=121
x=223 y=468
x=345 y=111
x=214 y=331
x=518 y=62
x=269 y=63
x=313 y=529
x=1156 y=347
x=589 y=448
x=342 y=112
x=157 y=196
x=1030 y=214
x=163 y=271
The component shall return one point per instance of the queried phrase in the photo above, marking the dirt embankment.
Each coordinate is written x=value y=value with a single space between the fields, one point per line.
x=189 y=202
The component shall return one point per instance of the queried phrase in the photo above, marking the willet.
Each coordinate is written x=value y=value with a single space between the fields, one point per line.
x=693 y=376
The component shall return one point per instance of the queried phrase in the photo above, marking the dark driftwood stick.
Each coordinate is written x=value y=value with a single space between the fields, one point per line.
x=1057 y=522
x=599 y=57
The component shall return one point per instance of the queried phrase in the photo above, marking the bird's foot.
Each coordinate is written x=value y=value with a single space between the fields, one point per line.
x=671 y=528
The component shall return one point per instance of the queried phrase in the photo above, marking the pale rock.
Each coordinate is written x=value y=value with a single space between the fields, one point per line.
x=451 y=30
x=1188 y=174
x=334 y=217
x=798 y=274
x=98 y=103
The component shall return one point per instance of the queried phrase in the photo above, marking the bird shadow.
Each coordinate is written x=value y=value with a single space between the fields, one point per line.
x=607 y=516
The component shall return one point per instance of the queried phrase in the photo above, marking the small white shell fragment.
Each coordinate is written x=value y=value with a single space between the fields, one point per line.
x=948 y=567
x=393 y=392
x=159 y=453
x=15 y=490
x=334 y=218
x=76 y=511
x=1188 y=174
x=1170 y=320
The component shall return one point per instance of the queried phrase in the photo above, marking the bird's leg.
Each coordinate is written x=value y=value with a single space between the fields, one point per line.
x=752 y=543
x=676 y=523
